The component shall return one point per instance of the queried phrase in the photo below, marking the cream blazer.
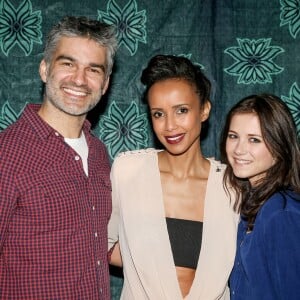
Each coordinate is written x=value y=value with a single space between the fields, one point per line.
x=138 y=223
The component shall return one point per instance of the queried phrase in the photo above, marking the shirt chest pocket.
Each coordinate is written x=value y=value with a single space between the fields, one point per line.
x=50 y=198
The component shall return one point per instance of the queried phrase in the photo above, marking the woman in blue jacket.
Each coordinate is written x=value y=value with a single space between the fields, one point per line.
x=260 y=145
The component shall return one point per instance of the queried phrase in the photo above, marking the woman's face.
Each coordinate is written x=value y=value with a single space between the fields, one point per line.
x=176 y=115
x=246 y=150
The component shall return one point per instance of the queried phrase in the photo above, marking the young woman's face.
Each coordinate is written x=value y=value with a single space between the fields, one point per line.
x=246 y=150
x=176 y=115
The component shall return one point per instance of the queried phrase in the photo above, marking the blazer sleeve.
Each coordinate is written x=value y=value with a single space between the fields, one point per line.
x=113 y=225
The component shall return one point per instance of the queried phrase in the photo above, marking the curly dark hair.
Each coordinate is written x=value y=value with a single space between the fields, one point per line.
x=163 y=67
x=280 y=135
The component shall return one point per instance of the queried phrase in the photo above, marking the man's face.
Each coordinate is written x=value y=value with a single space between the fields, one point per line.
x=75 y=79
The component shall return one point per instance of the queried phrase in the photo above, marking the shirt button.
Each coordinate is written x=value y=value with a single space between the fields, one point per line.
x=77 y=157
x=93 y=208
x=98 y=262
x=56 y=133
x=96 y=234
x=100 y=290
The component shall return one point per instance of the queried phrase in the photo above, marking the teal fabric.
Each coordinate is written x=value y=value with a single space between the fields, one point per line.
x=244 y=47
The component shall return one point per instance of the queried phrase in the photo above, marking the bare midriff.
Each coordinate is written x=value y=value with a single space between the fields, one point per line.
x=185 y=278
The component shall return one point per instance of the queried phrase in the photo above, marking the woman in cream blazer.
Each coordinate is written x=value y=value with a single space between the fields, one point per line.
x=138 y=223
x=177 y=182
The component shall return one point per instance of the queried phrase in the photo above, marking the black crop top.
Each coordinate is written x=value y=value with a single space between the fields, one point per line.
x=185 y=238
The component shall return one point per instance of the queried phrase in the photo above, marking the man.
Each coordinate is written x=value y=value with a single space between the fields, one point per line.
x=54 y=175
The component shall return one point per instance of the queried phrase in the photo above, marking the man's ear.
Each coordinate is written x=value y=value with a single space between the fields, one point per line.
x=43 y=70
x=105 y=85
x=205 y=111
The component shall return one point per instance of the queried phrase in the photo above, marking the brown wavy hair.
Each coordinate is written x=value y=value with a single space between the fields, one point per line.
x=280 y=136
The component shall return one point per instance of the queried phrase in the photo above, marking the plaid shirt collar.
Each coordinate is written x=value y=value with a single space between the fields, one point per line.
x=42 y=129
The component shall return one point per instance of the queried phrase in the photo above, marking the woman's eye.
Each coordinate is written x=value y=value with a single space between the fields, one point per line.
x=231 y=136
x=182 y=110
x=255 y=140
x=157 y=114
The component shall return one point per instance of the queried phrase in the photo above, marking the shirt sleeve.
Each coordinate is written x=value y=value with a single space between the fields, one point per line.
x=8 y=199
x=281 y=239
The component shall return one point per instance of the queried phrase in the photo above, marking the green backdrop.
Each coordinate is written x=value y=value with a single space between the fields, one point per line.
x=244 y=47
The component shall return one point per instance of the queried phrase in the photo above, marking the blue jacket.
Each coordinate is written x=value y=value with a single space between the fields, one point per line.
x=267 y=263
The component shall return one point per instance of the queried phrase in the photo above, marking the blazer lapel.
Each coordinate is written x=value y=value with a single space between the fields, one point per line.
x=218 y=245
x=164 y=262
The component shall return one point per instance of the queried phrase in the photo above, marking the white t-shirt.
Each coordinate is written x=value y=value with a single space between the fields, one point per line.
x=81 y=147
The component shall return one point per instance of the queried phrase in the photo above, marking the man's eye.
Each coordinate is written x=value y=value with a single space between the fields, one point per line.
x=95 y=70
x=67 y=64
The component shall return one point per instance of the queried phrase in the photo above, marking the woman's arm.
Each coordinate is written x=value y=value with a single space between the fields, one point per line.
x=115 y=257
x=114 y=254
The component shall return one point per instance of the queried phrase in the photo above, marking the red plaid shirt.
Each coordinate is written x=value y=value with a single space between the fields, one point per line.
x=53 y=219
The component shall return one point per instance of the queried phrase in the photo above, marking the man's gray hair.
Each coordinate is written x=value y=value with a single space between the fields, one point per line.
x=70 y=26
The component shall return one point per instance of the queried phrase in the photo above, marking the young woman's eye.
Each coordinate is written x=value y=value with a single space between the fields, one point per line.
x=255 y=140
x=157 y=114
x=231 y=136
x=182 y=110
